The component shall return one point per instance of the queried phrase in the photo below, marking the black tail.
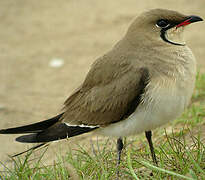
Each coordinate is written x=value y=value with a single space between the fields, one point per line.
x=56 y=132
x=32 y=128
x=46 y=131
x=31 y=149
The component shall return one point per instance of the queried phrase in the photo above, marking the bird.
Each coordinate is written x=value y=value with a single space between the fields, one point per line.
x=143 y=82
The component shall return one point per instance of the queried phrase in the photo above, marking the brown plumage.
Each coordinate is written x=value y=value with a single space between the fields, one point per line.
x=144 y=81
x=120 y=76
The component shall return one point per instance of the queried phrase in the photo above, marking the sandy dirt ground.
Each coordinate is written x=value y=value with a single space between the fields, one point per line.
x=33 y=33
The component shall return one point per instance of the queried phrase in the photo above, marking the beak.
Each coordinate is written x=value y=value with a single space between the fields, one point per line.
x=189 y=20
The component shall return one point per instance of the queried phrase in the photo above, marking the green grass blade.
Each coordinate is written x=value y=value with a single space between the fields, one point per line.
x=165 y=171
x=130 y=166
x=195 y=164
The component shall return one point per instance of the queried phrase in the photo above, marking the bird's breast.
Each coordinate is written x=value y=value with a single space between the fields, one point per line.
x=166 y=100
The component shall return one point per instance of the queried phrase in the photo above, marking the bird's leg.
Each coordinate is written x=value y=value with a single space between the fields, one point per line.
x=119 y=151
x=148 y=135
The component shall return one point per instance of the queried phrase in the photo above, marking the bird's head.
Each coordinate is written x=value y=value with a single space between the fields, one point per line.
x=160 y=25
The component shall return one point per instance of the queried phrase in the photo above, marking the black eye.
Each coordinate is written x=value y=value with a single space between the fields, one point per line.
x=163 y=23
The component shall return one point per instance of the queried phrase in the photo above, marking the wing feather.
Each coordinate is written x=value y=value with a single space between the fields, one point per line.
x=111 y=91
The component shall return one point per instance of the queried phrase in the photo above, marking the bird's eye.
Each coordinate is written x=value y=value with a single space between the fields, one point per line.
x=163 y=23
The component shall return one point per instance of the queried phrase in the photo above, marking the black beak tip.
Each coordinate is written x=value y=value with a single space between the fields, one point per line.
x=194 y=18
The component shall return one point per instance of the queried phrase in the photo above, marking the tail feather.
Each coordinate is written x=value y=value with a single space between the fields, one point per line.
x=32 y=128
x=30 y=149
x=45 y=131
x=54 y=133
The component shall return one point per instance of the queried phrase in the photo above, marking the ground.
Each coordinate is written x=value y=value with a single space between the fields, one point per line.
x=33 y=33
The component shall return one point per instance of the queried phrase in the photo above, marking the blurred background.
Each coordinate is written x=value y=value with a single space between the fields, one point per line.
x=47 y=47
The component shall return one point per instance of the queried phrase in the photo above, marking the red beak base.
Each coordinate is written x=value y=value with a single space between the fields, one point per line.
x=189 y=20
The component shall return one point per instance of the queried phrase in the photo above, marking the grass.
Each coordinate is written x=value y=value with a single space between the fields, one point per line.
x=180 y=152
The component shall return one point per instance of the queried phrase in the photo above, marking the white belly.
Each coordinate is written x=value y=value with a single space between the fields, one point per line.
x=159 y=107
